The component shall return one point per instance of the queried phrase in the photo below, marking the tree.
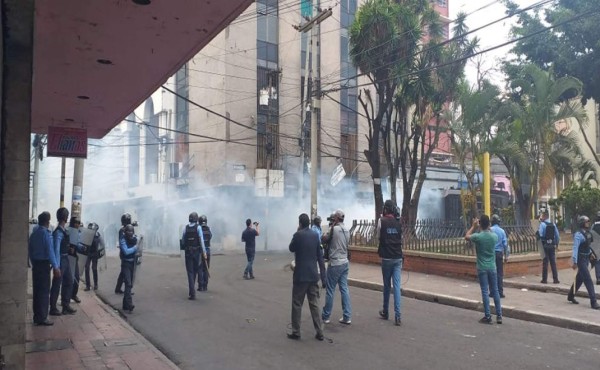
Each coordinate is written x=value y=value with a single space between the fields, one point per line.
x=578 y=200
x=533 y=122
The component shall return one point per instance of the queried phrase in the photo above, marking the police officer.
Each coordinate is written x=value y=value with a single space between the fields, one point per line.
x=125 y=220
x=192 y=242
x=92 y=257
x=127 y=250
x=205 y=265
x=75 y=223
x=65 y=282
x=581 y=259
x=502 y=251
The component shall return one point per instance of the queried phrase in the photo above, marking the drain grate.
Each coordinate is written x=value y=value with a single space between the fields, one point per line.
x=48 y=345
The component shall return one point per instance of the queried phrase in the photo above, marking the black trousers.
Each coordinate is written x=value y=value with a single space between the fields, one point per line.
x=75 y=278
x=299 y=291
x=93 y=262
x=583 y=277
x=119 y=287
x=127 y=272
x=66 y=287
x=550 y=256
x=192 y=267
x=40 y=276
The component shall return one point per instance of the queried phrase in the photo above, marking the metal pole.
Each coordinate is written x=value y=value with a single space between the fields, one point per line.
x=63 y=164
x=313 y=128
x=486 y=184
x=36 y=179
x=77 y=187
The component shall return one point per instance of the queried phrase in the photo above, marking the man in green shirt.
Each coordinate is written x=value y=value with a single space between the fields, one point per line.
x=485 y=241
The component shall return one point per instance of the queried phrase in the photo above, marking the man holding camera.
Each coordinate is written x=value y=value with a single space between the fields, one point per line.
x=338 y=239
x=389 y=233
x=308 y=254
x=249 y=237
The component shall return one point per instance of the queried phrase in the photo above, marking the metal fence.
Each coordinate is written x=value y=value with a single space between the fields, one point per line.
x=442 y=236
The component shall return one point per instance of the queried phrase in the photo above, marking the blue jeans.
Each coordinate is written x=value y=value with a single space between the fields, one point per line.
x=488 y=278
x=391 y=269
x=250 y=257
x=337 y=275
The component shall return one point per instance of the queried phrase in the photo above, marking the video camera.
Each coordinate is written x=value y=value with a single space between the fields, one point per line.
x=255 y=223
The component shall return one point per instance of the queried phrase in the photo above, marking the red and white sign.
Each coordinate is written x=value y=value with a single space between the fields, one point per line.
x=67 y=142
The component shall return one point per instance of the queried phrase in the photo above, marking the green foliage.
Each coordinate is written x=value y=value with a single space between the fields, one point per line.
x=578 y=200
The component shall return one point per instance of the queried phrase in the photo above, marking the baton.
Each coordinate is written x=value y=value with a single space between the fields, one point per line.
x=575 y=281
x=205 y=264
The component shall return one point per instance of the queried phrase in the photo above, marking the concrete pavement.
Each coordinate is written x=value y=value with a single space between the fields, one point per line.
x=526 y=298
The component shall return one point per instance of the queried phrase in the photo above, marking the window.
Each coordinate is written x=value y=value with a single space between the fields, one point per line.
x=442 y=3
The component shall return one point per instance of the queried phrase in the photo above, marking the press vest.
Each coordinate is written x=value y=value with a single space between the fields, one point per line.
x=390 y=238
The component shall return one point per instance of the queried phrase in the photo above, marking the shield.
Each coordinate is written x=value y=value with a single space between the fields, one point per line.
x=137 y=261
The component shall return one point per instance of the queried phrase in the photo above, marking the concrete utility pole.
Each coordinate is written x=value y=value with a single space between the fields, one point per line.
x=77 y=188
x=38 y=150
x=63 y=165
x=312 y=25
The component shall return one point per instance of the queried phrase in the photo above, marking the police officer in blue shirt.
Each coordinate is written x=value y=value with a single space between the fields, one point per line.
x=502 y=251
x=581 y=260
x=192 y=242
x=64 y=283
x=203 y=273
x=43 y=258
x=127 y=250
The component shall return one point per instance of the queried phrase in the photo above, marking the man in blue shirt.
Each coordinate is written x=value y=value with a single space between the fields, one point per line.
x=64 y=283
x=41 y=253
x=581 y=260
x=203 y=273
x=502 y=252
x=249 y=237
x=316 y=227
x=127 y=250
x=550 y=243
x=192 y=242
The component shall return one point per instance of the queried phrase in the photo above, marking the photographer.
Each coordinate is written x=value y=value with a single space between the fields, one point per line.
x=249 y=237
x=338 y=239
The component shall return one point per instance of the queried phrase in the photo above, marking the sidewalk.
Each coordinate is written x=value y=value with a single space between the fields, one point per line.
x=526 y=298
x=96 y=337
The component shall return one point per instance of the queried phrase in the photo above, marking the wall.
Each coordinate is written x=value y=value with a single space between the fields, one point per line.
x=17 y=59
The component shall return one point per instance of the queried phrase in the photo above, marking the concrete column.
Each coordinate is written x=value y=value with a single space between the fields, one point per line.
x=16 y=53
x=77 y=187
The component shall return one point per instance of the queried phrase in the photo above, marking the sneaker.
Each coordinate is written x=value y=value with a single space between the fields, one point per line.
x=68 y=310
x=192 y=297
x=251 y=277
x=76 y=299
x=44 y=323
x=95 y=287
x=293 y=336
x=383 y=315
x=319 y=336
x=55 y=312
x=119 y=291
x=345 y=321
x=130 y=309
x=498 y=319
x=544 y=282
x=597 y=282
x=502 y=295
x=87 y=289
x=326 y=321
x=397 y=321
x=485 y=320
x=246 y=277
x=596 y=306
x=572 y=300
x=556 y=282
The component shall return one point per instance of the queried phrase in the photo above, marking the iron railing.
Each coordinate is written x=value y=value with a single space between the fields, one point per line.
x=442 y=236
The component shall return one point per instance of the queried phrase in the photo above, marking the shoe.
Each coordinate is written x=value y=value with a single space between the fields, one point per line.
x=76 y=299
x=485 y=320
x=293 y=336
x=556 y=282
x=192 y=297
x=319 y=336
x=204 y=289
x=246 y=277
x=87 y=289
x=345 y=321
x=596 y=306
x=95 y=287
x=502 y=296
x=597 y=282
x=132 y=293
x=572 y=300
x=326 y=321
x=44 y=323
x=251 y=277
x=119 y=291
x=130 y=309
x=68 y=310
x=55 y=312
x=383 y=315
x=199 y=289
x=498 y=319
x=397 y=321
x=544 y=282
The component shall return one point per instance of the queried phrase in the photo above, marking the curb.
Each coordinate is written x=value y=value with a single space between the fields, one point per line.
x=547 y=288
x=507 y=311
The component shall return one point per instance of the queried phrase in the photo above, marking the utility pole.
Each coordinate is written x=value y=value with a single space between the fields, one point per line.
x=313 y=26
x=63 y=165
x=77 y=187
x=269 y=150
x=38 y=150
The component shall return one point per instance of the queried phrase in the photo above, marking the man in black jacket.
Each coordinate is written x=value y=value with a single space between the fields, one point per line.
x=389 y=233
x=306 y=246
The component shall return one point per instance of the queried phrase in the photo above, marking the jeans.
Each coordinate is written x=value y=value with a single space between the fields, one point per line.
x=250 y=257
x=583 y=276
x=299 y=291
x=391 y=269
x=40 y=276
x=192 y=265
x=93 y=261
x=127 y=272
x=66 y=289
x=337 y=275
x=500 y=272
x=549 y=256
x=487 y=278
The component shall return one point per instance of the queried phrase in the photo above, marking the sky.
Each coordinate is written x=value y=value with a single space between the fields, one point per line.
x=489 y=36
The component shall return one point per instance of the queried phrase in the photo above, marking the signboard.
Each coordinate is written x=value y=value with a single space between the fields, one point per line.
x=338 y=174
x=67 y=142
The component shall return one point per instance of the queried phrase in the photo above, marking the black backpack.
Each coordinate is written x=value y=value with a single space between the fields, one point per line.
x=548 y=237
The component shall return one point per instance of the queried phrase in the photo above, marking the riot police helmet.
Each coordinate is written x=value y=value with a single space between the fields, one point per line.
x=62 y=214
x=203 y=220
x=125 y=219
x=93 y=226
x=582 y=220
x=496 y=219
x=193 y=217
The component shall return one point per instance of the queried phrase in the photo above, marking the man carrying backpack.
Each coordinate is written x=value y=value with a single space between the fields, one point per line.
x=550 y=239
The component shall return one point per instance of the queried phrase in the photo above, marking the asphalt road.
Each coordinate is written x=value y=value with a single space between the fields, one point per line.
x=241 y=324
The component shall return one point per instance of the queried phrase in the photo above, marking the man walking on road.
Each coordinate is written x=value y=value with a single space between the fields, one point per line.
x=249 y=237
x=389 y=232
x=550 y=238
x=41 y=253
x=308 y=255
x=581 y=260
x=485 y=241
x=337 y=273
x=502 y=252
x=192 y=242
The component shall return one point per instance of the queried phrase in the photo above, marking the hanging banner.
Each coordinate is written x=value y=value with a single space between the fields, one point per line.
x=67 y=142
x=338 y=174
